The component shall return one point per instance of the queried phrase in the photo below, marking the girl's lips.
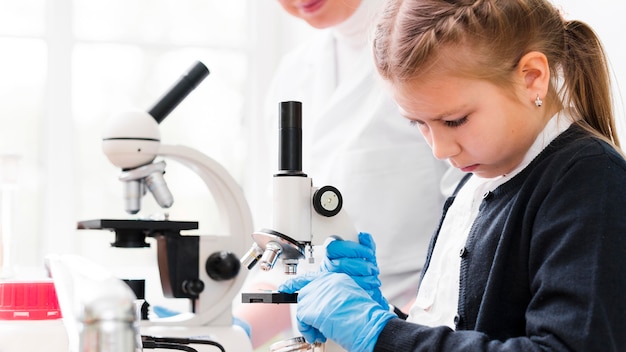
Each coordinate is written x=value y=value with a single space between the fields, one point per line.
x=312 y=6
x=469 y=168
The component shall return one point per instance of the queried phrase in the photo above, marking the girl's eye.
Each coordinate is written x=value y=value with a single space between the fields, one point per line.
x=416 y=123
x=456 y=123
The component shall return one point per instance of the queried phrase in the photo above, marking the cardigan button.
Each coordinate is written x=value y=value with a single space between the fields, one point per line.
x=457 y=320
x=487 y=195
x=463 y=252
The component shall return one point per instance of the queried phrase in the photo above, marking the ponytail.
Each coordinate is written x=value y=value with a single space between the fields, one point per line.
x=587 y=79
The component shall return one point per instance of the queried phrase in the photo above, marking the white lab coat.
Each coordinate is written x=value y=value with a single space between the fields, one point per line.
x=355 y=139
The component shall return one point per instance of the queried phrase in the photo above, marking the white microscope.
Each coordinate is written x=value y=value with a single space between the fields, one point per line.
x=304 y=216
x=204 y=268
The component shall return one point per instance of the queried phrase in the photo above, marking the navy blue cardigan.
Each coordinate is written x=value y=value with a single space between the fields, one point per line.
x=544 y=266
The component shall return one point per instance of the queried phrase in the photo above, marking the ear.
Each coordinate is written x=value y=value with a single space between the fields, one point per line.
x=534 y=71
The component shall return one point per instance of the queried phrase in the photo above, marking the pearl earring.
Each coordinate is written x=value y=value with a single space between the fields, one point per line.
x=538 y=101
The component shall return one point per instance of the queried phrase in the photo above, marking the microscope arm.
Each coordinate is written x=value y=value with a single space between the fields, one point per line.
x=225 y=190
x=234 y=236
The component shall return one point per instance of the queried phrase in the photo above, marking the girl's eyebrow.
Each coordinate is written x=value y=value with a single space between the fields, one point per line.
x=444 y=115
x=438 y=117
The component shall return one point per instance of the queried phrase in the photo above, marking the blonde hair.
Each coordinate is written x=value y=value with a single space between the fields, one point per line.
x=413 y=36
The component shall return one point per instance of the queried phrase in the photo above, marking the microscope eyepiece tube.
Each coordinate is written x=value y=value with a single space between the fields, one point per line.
x=179 y=91
x=290 y=138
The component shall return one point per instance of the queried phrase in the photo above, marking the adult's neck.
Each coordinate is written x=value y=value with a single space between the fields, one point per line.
x=354 y=32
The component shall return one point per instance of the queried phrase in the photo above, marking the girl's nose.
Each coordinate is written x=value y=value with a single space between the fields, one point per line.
x=443 y=145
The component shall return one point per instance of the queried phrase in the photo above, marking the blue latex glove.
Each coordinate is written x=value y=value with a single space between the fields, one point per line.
x=334 y=306
x=357 y=260
x=244 y=325
x=163 y=312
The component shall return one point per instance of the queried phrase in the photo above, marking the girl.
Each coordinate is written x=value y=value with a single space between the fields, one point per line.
x=531 y=251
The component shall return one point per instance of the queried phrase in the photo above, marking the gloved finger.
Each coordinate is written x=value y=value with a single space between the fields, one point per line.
x=367 y=240
x=351 y=266
x=364 y=273
x=295 y=284
x=341 y=249
x=310 y=334
x=367 y=282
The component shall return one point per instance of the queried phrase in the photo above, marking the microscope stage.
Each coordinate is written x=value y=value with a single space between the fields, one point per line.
x=112 y=224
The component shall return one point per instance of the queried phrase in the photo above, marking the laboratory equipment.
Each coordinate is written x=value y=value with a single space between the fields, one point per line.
x=303 y=215
x=99 y=309
x=201 y=268
x=269 y=297
x=30 y=308
x=304 y=218
x=296 y=344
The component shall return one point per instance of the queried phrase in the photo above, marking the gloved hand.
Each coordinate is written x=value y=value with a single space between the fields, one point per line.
x=244 y=325
x=332 y=305
x=357 y=260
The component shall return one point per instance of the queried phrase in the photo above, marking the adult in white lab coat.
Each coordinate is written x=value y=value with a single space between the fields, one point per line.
x=354 y=139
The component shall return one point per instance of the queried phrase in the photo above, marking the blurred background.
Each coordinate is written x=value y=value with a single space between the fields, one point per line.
x=67 y=65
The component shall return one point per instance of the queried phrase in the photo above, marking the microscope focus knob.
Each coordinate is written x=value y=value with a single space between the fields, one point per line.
x=222 y=266
x=193 y=287
x=327 y=201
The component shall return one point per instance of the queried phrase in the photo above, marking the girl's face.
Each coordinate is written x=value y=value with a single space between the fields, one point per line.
x=476 y=125
x=321 y=13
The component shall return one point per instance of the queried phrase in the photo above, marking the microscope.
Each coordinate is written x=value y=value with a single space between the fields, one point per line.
x=304 y=216
x=205 y=268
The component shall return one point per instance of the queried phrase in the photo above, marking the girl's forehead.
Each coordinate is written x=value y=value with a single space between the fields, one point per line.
x=441 y=96
x=430 y=87
x=425 y=102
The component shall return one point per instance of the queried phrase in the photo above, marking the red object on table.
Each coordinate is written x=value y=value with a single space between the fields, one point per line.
x=28 y=300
